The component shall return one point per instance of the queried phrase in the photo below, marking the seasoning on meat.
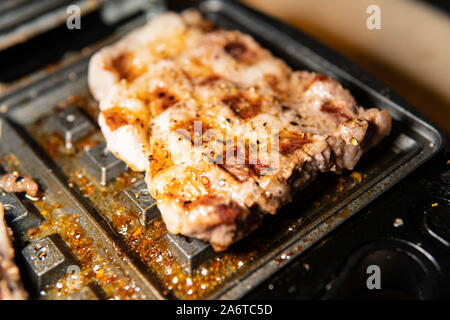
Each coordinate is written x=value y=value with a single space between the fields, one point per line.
x=227 y=133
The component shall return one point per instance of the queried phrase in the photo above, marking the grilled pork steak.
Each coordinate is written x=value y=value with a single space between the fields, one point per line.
x=225 y=131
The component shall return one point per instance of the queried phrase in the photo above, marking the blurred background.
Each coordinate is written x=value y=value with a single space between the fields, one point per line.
x=410 y=53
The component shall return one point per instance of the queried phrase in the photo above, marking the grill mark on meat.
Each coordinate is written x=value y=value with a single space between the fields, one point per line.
x=119 y=64
x=243 y=107
x=241 y=171
x=117 y=117
x=160 y=159
x=210 y=80
x=291 y=141
x=330 y=107
x=123 y=67
x=162 y=100
x=236 y=49
x=240 y=52
x=187 y=129
x=227 y=160
x=258 y=167
x=158 y=100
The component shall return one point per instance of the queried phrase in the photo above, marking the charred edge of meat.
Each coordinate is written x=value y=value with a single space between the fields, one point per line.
x=235 y=220
x=291 y=141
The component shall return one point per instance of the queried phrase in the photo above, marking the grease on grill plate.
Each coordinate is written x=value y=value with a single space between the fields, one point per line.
x=95 y=270
x=183 y=273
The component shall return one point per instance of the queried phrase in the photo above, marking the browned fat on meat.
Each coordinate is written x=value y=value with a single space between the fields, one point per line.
x=225 y=131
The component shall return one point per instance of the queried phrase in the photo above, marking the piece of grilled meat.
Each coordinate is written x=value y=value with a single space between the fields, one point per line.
x=16 y=182
x=225 y=131
x=11 y=287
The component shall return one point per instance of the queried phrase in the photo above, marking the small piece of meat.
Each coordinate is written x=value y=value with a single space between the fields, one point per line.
x=11 y=287
x=225 y=131
x=16 y=182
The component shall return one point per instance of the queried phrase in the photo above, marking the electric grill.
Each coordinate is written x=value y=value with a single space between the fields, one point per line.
x=94 y=232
